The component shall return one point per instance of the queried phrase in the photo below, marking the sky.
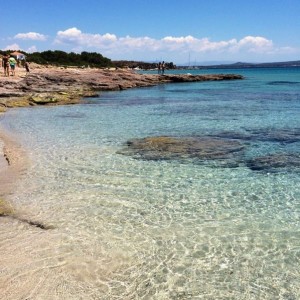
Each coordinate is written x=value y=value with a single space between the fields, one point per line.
x=178 y=31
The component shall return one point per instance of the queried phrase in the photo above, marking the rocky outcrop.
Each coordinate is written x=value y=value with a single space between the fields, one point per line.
x=67 y=86
x=194 y=78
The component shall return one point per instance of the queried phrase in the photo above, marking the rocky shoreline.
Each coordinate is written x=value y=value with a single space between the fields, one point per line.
x=59 y=86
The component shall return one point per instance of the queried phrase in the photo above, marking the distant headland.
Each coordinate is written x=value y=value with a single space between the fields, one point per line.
x=243 y=65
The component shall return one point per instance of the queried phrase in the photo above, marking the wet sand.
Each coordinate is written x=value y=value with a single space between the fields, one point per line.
x=13 y=162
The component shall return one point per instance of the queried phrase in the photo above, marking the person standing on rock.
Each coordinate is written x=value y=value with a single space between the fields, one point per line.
x=5 y=65
x=26 y=65
x=159 y=68
x=163 y=68
x=12 y=64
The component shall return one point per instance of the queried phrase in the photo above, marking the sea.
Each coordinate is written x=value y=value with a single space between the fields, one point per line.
x=158 y=223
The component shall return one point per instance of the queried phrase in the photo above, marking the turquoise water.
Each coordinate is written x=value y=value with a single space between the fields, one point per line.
x=127 y=227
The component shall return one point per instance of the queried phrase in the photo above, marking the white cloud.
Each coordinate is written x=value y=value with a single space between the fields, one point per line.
x=136 y=44
x=288 y=50
x=69 y=33
x=31 y=49
x=30 y=36
x=12 y=47
x=256 y=44
x=169 y=46
x=204 y=45
x=179 y=40
x=177 y=48
x=15 y=47
x=76 y=37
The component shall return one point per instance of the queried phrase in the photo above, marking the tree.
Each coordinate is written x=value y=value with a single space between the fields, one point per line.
x=61 y=58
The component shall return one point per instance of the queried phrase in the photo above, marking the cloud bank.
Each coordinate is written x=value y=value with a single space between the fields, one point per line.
x=30 y=36
x=147 y=48
x=75 y=37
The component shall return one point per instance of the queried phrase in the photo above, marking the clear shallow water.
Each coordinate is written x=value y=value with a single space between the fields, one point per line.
x=130 y=228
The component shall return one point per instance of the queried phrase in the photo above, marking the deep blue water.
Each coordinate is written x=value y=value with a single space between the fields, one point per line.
x=180 y=228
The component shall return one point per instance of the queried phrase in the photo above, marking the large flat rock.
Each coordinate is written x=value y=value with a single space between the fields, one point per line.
x=167 y=147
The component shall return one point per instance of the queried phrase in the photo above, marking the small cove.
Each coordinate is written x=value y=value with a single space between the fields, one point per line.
x=130 y=228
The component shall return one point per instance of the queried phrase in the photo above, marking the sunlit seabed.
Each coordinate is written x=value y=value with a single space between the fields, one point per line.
x=128 y=228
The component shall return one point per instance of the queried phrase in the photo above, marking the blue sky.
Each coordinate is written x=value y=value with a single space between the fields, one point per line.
x=153 y=30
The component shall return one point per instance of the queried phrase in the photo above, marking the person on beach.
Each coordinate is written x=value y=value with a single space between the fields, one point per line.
x=163 y=68
x=159 y=68
x=12 y=64
x=26 y=65
x=5 y=65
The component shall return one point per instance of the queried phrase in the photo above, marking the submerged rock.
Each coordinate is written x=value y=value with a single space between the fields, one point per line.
x=275 y=162
x=283 y=135
x=283 y=83
x=5 y=208
x=216 y=152
x=167 y=147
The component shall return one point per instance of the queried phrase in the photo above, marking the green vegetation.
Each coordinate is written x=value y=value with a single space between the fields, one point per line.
x=61 y=58
x=140 y=64
x=84 y=59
